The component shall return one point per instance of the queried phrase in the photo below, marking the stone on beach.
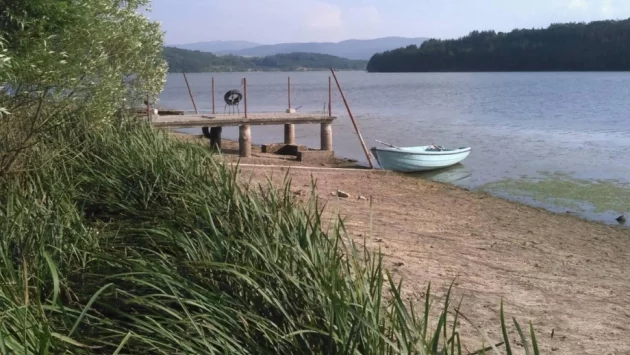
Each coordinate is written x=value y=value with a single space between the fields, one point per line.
x=342 y=194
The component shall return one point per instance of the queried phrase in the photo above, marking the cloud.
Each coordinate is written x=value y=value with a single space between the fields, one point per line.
x=607 y=8
x=323 y=16
x=274 y=21
x=254 y=20
x=368 y=15
x=579 y=5
x=267 y=21
x=598 y=8
x=362 y=22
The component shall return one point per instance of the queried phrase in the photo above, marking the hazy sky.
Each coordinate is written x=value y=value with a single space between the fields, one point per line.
x=274 y=21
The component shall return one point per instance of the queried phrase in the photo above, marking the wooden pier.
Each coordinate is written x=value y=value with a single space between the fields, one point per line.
x=211 y=124
x=216 y=121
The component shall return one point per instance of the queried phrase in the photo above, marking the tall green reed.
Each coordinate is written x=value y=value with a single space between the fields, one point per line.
x=124 y=240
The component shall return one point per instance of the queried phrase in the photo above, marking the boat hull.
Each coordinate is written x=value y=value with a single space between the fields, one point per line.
x=416 y=159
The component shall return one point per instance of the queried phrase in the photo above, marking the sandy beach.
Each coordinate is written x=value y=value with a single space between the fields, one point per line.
x=568 y=276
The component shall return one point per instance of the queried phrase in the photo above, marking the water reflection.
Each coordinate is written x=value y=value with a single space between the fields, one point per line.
x=455 y=174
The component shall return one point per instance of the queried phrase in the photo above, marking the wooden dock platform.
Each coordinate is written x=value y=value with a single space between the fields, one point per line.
x=244 y=121
x=223 y=120
x=212 y=123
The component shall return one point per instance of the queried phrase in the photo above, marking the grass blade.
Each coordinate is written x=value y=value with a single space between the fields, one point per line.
x=506 y=339
x=55 y=277
x=87 y=308
x=523 y=339
x=122 y=344
x=534 y=341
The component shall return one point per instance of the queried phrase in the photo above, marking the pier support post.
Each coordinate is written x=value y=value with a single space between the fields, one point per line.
x=214 y=135
x=289 y=134
x=215 y=138
x=326 y=136
x=245 y=141
x=213 y=110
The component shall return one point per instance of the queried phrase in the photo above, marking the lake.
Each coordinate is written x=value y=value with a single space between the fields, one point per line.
x=555 y=140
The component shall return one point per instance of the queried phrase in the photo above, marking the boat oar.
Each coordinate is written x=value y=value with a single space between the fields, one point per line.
x=387 y=144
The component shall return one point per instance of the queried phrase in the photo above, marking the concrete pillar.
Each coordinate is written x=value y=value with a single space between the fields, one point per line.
x=326 y=136
x=245 y=141
x=289 y=134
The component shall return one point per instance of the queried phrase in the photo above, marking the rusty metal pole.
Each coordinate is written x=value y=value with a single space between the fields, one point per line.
x=245 y=95
x=329 y=97
x=213 y=111
x=191 y=94
x=356 y=128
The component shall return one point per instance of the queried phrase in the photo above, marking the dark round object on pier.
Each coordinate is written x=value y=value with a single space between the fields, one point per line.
x=233 y=97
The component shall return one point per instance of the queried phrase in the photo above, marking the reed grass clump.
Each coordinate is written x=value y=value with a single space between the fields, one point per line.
x=123 y=240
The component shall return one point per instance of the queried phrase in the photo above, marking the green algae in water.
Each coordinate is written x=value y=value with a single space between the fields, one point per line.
x=564 y=191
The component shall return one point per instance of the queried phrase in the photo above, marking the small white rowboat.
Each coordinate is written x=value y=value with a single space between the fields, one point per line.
x=420 y=158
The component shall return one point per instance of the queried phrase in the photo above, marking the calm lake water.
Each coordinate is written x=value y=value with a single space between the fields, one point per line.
x=555 y=140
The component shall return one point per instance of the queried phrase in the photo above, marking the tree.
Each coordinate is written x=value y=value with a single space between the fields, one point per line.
x=71 y=61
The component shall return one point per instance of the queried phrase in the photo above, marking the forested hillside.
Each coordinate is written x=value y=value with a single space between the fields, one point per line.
x=596 y=46
x=181 y=60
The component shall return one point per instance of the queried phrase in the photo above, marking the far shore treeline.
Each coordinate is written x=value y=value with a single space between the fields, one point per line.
x=182 y=60
x=594 y=46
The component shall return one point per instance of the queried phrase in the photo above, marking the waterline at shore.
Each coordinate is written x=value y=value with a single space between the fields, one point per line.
x=596 y=200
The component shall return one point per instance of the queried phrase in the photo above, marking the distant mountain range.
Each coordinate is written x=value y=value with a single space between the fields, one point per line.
x=351 y=49
x=217 y=46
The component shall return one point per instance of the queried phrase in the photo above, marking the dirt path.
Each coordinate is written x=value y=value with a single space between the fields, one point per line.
x=562 y=273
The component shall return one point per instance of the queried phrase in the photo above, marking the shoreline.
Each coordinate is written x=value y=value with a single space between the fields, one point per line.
x=561 y=272
x=282 y=162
